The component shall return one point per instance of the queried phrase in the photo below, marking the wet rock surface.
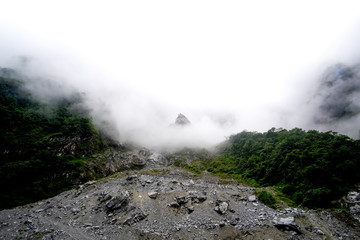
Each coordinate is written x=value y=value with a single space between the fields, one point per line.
x=166 y=203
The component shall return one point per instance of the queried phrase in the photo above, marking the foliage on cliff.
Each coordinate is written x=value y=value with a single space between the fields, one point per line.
x=311 y=167
x=43 y=146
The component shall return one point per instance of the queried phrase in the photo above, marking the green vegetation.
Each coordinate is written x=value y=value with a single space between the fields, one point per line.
x=311 y=168
x=266 y=198
x=281 y=197
x=43 y=148
x=193 y=168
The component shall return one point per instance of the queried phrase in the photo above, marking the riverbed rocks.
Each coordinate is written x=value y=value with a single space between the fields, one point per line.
x=165 y=203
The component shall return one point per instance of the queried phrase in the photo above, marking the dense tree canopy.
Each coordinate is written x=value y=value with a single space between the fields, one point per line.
x=311 y=167
x=33 y=162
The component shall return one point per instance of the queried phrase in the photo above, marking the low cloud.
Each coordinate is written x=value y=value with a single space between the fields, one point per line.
x=226 y=67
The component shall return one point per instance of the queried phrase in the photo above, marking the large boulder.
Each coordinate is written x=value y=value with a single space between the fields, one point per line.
x=221 y=207
x=118 y=202
x=287 y=224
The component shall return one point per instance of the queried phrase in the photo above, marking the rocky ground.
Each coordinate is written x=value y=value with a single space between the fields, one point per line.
x=161 y=201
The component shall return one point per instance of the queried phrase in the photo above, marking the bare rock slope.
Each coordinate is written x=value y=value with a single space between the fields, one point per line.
x=167 y=203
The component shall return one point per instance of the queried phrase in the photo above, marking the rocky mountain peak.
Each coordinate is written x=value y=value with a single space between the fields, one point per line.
x=181 y=120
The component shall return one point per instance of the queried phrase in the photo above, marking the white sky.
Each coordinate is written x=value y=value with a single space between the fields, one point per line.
x=244 y=58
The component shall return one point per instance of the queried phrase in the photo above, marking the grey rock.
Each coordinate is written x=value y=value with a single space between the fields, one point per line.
x=181 y=200
x=221 y=207
x=252 y=198
x=75 y=211
x=153 y=195
x=357 y=198
x=118 y=201
x=190 y=209
x=196 y=197
x=131 y=178
x=135 y=218
x=104 y=197
x=355 y=209
x=319 y=232
x=174 y=205
x=137 y=161
x=287 y=224
x=234 y=220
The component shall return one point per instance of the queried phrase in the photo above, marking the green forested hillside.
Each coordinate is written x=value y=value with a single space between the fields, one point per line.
x=42 y=147
x=312 y=168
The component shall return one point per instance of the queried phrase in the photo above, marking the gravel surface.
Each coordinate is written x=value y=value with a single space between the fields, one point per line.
x=167 y=203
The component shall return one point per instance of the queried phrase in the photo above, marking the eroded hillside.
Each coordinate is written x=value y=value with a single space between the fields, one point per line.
x=169 y=203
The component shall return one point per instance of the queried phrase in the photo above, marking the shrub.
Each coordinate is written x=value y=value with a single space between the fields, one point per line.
x=266 y=198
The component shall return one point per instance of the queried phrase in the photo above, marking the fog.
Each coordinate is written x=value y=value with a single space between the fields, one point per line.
x=227 y=66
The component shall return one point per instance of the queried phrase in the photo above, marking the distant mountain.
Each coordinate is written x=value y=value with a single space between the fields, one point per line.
x=338 y=95
x=181 y=120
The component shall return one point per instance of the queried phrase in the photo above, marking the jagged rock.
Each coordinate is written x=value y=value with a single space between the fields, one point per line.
x=252 y=198
x=181 y=200
x=221 y=207
x=181 y=120
x=190 y=209
x=118 y=201
x=196 y=197
x=89 y=183
x=75 y=211
x=355 y=209
x=357 y=198
x=157 y=159
x=144 y=152
x=174 y=205
x=234 y=220
x=353 y=197
x=318 y=231
x=104 y=197
x=145 y=179
x=287 y=224
x=131 y=178
x=152 y=195
x=137 y=161
x=135 y=218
